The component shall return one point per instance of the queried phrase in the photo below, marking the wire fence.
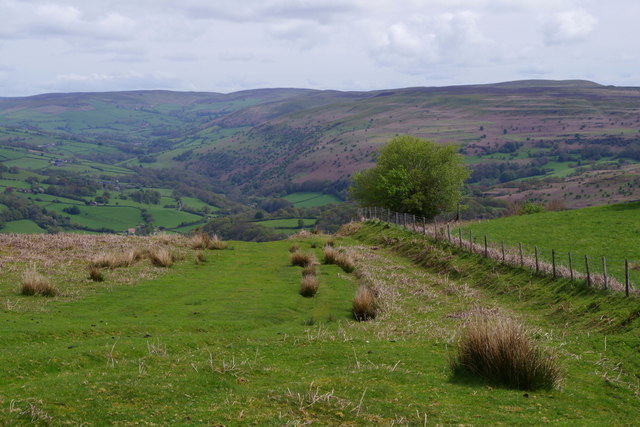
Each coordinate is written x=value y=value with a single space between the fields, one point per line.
x=598 y=272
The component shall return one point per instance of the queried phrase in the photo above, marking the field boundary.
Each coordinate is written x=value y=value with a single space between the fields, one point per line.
x=597 y=273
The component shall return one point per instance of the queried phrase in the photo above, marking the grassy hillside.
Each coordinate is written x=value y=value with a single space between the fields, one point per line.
x=604 y=231
x=228 y=339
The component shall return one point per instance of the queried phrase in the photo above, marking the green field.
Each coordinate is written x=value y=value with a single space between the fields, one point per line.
x=229 y=341
x=604 y=231
x=310 y=199
x=288 y=225
x=23 y=226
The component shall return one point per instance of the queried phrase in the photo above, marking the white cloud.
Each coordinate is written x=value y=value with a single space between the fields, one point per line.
x=569 y=27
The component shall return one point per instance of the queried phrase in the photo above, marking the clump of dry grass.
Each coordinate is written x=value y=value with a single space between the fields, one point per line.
x=116 y=260
x=198 y=241
x=365 y=304
x=302 y=259
x=95 y=274
x=33 y=283
x=200 y=257
x=309 y=285
x=294 y=248
x=339 y=258
x=161 y=257
x=500 y=350
x=309 y=270
x=216 y=243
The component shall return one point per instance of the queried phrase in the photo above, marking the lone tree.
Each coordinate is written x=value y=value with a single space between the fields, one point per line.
x=412 y=175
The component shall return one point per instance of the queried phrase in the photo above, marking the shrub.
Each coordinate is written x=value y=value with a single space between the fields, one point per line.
x=309 y=286
x=365 y=306
x=499 y=350
x=33 y=283
x=161 y=257
x=301 y=259
x=95 y=274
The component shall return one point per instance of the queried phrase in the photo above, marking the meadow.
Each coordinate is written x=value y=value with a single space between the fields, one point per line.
x=224 y=337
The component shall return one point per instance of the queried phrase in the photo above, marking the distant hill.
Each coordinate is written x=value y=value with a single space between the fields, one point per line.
x=261 y=141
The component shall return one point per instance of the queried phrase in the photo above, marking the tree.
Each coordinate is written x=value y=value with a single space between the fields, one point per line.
x=412 y=175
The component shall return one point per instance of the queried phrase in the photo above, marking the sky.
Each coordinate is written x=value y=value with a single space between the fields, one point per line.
x=230 y=45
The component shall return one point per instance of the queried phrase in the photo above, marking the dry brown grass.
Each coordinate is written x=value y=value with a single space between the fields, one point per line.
x=294 y=248
x=365 y=305
x=161 y=257
x=309 y=285
x=117 y=259
x=302 y=259
x=499 y=350
x=198 y=241
x=33 y=283
x=339 y=258
x=216 y=243
x=309 y=270
x=200 y=257
x=95 y=274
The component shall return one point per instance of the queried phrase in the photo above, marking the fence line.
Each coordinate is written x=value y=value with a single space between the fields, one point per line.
x=540 y=260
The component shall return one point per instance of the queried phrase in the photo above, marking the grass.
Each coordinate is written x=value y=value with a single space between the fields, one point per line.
x=232 y=342
x=161 y=257
x=604 y=231
x=501 y=351
x=33 y=283
x=309 y=285
x=301 y=259
x=338 y=257
x=22 y=226
x=310 y=199
x=365 y=306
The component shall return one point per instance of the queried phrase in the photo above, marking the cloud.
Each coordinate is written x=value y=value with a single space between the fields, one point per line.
x=569 y=27
x=414 y=46
x=98 y=82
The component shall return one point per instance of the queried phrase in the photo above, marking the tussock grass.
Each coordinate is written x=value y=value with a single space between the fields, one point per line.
x=95 y=274
x=294 y=248
x=216 y=243
x=499 y=350
x=33 y=283
x=198 y=241
x=199 y=258
x=339 y=258
x=309 y=285
x=302 y=259
x=161 y=257
x=365 y=305
x=117 y=260
x=309 y=270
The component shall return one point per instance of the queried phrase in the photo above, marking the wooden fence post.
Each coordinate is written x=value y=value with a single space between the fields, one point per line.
x=570 y=266
x=626 y=277
x=449 y=233
x=396 y=222
x=535 y=248
x=521 y=255
x=460 y=235
x=503 y=256
x=424 y=226
x=553 y=261
x=604 y=273
x=486 y=249
x=586 y=263
x=470 y=240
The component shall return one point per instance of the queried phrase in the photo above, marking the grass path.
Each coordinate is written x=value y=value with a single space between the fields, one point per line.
x=230 y=341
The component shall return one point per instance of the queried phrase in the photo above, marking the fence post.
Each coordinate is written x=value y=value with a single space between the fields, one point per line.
x=570 y=267
x=435 y=229
x=471 y=241
x=397 y=222
x=537 y=263
x=586 y=263
x=460 y=234
x=553 y=261
x=503 y=257
x=626 y=277
x=449 y=233
x=486 y=250
x=424 y=226
x=604 y=272
x=521 y=255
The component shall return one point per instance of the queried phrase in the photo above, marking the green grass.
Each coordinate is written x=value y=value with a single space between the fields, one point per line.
x=229 y=341
x=605 y=231
x=23 y=226
x=310 y=199
x=288 y=225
